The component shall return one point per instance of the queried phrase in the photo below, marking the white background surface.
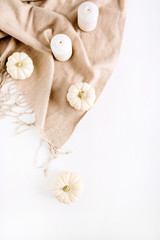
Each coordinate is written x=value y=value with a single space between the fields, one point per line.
x=115 y=149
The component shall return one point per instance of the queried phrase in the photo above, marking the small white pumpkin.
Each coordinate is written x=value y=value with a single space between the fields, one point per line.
x=67 y=187
x=81 y=96
x=20 y=65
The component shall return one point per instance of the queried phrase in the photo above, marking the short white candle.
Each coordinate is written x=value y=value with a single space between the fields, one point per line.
x=61 y=46
x=88 y=16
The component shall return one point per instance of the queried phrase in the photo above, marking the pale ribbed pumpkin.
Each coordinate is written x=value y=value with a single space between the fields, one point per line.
x=81 y=96
x=67 y=187
x=20 y=65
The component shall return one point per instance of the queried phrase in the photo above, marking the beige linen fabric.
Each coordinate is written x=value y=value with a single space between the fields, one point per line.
x=29 y=26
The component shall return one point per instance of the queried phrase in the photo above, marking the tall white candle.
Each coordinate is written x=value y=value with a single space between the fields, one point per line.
x=61 y=46
x=88 y=16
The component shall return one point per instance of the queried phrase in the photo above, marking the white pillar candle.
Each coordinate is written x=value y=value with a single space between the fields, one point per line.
x=61 y=46
x=88 y=16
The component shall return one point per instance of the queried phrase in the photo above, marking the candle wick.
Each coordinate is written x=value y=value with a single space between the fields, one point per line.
x=88 y=9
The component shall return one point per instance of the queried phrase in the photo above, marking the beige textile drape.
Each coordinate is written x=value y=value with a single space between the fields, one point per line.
x=28 y=26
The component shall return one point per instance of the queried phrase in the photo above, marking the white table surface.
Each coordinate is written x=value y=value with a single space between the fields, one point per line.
x=115 y=149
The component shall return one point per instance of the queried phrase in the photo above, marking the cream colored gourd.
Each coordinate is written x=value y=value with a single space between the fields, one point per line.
x=81 y=96
x=20 y=65
x=67 y=187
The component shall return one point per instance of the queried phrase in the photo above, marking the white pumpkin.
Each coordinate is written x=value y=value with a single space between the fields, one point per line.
x=67 y=187
x=20 y=65
x=81 y=96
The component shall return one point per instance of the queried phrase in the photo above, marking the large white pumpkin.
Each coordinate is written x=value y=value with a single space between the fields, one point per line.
x=67 y=187
x=20 y=65
x=81 y=96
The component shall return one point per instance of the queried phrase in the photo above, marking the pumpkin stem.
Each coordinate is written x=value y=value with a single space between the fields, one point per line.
x=19 y=64
x=81 y=94
x=66 y=188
